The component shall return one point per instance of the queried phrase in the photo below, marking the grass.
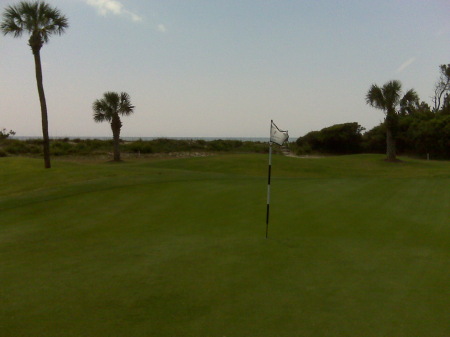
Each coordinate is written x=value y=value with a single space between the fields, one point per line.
x=357 y=247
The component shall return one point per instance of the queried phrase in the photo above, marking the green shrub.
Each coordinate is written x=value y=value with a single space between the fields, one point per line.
x=92 y=146
x=36 y=141
x=303 y=149
x=253 y=147
x=138 y=147
x=14 y=146
x=165 y=145
x=61 y=148
x=337 y=139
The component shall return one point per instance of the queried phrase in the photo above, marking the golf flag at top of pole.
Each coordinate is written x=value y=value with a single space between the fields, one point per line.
x=279 y=137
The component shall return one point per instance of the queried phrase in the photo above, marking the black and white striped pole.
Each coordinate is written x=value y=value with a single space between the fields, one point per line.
x=277 y=136
x=268 y=187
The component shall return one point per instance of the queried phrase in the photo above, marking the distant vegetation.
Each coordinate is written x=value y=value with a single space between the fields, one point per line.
x=410 y=128
x=419 y=134
x=337 y=139
x=93 y=147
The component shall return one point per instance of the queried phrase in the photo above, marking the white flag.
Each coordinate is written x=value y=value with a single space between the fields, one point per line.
x=277 y=136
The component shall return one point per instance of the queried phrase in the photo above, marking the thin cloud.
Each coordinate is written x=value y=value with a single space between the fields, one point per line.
x=105 y=7
x=161 y=28
x=406 y=64
x=134 y=17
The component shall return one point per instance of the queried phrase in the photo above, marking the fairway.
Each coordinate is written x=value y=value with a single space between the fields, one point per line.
x=176 y=247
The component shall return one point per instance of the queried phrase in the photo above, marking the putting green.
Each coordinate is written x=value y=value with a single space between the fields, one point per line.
x=357 y=247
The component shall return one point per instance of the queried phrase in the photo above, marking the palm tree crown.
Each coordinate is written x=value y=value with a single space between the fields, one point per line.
x=111 y=105
x=38 y=19
x=388 y=97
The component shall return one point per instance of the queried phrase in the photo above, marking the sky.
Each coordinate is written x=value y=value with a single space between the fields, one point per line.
x=223 y=68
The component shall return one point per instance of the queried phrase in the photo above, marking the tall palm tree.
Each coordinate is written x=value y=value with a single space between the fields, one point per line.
x=108 y=109
x=389 y=98
x=40 y=21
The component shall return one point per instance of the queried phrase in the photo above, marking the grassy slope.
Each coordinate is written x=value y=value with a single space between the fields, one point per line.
x=357 y=247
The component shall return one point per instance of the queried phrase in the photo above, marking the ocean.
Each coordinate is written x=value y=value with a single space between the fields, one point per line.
x=130 y=139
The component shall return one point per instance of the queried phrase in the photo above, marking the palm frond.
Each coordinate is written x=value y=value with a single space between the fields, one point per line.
x=112 y=99
x=12 y=21
x=53 y=22
x=125 y=106
x=99 y=117
x=106 y=107
x=375 y=97
x=392 y=91
x=410 y=97
x=409 y=101
x=102 y=111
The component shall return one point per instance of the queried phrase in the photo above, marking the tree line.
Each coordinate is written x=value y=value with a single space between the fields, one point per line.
x=410 y=127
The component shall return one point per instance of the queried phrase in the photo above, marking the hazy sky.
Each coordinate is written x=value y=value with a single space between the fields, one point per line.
x=223 y=68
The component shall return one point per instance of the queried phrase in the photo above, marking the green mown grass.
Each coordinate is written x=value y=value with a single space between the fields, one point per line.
x=357 y=247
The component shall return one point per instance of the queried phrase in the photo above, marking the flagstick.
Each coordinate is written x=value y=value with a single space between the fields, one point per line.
x=268 y=189
x=279 y=137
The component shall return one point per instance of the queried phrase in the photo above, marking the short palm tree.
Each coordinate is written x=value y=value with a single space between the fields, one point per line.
x=389 y=98
x=40 y=21
x=108 y=109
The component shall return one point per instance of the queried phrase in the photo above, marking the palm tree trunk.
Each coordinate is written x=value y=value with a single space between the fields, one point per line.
x=390 y=145
x=391 y=123
x=116 y=147
x=40 y=86
x=115 y=127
